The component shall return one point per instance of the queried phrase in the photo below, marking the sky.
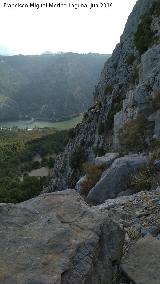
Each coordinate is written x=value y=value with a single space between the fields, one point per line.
x=64 y=29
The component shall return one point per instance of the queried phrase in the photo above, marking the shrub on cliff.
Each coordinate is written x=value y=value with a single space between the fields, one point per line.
x=143 y=37
x=78 y=158
x=133 y=135
x=144 y=179
x=108 y=89
x=130 y=59
x=155 y=9
x=93 y=174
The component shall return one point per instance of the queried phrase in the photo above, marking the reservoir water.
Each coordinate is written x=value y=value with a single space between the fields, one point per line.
x=62 y=125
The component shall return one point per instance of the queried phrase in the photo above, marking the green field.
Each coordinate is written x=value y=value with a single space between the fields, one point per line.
x=63 y=125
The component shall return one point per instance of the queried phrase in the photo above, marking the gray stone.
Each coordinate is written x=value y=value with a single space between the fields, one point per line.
x=106 y=160
x=116 y=177
x=56 y=238
x=127 y=192
x=79 y=183
x=142 y=265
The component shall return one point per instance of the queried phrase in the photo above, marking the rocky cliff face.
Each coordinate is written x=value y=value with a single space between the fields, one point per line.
x=56 y=237
x=128 y=90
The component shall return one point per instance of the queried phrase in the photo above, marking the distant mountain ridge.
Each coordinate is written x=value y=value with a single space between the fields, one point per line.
x=48 y=86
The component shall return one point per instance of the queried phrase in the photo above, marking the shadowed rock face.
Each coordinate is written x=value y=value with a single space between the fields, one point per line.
x=142 y=265
x=56 y=238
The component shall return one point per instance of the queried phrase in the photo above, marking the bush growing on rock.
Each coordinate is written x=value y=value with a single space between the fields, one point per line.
x=130 y=59
x=108 y=89
x=133 y=134
x=93 y=174
x=155 y=9
x=145 y=179
x=142 y=180
x=143 y=37
x=78 y=158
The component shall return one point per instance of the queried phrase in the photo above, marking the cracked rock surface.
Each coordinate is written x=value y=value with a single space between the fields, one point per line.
x=56 y=238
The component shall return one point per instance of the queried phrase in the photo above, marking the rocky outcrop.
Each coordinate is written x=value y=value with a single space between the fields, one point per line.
x=114 y=180
x=139 y=212
x=106 y=160
x=57 y=238
x=139 y=216
x=128 y=85
x=142 y=264
x=139 y=99
x=80 y=183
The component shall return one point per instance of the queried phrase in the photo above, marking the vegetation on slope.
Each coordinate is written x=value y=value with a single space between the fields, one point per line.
x=133 y=136
x=93 y=174
x=144 y=36
x=17 y=150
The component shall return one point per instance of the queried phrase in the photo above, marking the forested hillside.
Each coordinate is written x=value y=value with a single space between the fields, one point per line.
x=18 y=151
x=48 y=86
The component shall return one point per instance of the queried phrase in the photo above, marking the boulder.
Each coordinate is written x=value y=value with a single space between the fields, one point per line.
x=79 y=183
x=56 y=238
x=142 y=266
x=139 y=216
x=115 y=179
x=106 y=160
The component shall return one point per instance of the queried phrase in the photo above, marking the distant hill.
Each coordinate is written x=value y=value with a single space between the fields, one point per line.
x=48 y=86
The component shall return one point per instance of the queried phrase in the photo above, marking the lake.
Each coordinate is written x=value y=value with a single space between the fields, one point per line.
x=62 y=125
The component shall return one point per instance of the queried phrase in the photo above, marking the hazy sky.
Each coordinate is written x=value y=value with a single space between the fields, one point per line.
x=31 y=31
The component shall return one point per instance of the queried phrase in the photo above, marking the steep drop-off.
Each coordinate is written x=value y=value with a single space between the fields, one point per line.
x=125 y=114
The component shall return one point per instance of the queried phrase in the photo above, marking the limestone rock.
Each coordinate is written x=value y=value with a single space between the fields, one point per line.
x=106 y=160
x=115 y=180
x=140 y=210
x=56 y=238
x=139 y=216
x=79 y=183
x=142 y=265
